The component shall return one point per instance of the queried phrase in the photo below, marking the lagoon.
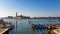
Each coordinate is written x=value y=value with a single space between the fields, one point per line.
x=23 y=26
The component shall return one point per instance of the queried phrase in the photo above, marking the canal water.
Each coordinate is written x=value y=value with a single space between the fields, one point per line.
x=23 y=26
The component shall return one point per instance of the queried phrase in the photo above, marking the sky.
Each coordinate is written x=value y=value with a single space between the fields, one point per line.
x=37 y=8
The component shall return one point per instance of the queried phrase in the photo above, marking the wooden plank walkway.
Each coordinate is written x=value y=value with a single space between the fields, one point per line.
x=3 y=30
x=57 y=30
x=7 y=28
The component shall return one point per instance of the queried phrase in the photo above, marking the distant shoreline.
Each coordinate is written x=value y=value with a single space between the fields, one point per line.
x=36 y=18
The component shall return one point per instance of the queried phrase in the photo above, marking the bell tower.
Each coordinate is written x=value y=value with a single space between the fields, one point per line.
x=16 y=14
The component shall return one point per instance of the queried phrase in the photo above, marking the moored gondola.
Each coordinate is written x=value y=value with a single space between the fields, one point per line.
x=42 y=26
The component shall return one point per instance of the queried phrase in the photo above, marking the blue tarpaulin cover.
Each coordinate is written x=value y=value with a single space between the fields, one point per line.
x=36 y=24
x=39 y=31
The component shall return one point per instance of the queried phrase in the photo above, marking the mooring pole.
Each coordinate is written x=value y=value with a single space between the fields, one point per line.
x=16 y=22
x=44 y=27
x=44 y=24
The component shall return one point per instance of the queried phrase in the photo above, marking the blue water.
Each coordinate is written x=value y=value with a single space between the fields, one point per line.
x=23 y=26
